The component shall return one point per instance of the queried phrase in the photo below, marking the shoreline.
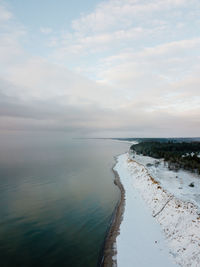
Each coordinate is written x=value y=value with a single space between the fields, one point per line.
x=140 y=234
x=169 y=212
x=109 y=250
x=164 y=210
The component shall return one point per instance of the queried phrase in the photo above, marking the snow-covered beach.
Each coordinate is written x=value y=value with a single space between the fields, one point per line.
x=158 y=228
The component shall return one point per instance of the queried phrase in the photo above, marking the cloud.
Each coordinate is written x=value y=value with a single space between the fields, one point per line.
x=127 y=68
x=5 y=15
x=10 y=34
x=112 y=14
x=117 y=25
x=45 y=30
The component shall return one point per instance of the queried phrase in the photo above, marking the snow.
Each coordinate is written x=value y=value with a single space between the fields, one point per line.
x=141 y=241
x=172 y=237
x=175 y=182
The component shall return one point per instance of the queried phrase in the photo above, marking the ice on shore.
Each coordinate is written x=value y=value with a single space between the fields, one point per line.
x=172 y=238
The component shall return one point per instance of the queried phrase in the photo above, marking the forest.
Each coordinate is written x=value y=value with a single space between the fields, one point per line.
x=185 y=155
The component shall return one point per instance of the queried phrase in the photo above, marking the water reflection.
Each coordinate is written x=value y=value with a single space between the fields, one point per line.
x=56 y=199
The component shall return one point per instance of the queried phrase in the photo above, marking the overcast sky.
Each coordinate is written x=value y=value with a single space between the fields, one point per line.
x=100 y=68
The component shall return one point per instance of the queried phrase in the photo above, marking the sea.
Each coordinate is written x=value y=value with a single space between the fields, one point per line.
x=57 y=197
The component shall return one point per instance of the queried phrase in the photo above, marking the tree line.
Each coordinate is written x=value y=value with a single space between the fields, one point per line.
x=184 y=155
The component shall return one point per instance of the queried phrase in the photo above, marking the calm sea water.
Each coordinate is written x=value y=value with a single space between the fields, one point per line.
x=56 y=199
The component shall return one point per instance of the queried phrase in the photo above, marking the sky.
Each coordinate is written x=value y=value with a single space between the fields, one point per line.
x=92 y=68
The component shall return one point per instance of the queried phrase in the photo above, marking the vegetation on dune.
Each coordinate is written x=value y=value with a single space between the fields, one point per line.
x=178 y=155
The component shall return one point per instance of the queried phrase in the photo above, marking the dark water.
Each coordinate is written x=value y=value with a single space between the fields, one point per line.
x=56 y=200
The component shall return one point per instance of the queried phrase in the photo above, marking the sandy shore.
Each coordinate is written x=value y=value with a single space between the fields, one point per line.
x=109 y=252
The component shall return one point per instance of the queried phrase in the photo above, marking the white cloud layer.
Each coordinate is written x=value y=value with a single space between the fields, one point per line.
x=129 y=67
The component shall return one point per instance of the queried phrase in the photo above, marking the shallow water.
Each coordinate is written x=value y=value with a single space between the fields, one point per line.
x=56 y=199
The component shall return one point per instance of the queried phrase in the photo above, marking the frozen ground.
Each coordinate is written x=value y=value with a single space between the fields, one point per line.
x=177 y=183
x=172 y=237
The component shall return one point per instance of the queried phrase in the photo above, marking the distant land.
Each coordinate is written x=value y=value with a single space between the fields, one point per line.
x=158 y=139
x=147 y=139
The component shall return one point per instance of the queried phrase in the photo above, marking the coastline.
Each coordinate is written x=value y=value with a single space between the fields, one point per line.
x=164 y=213
x=109 y=250
x=174 y=224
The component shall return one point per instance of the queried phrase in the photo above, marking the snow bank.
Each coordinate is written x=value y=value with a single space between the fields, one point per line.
x=141 y=240
x=175 y=182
